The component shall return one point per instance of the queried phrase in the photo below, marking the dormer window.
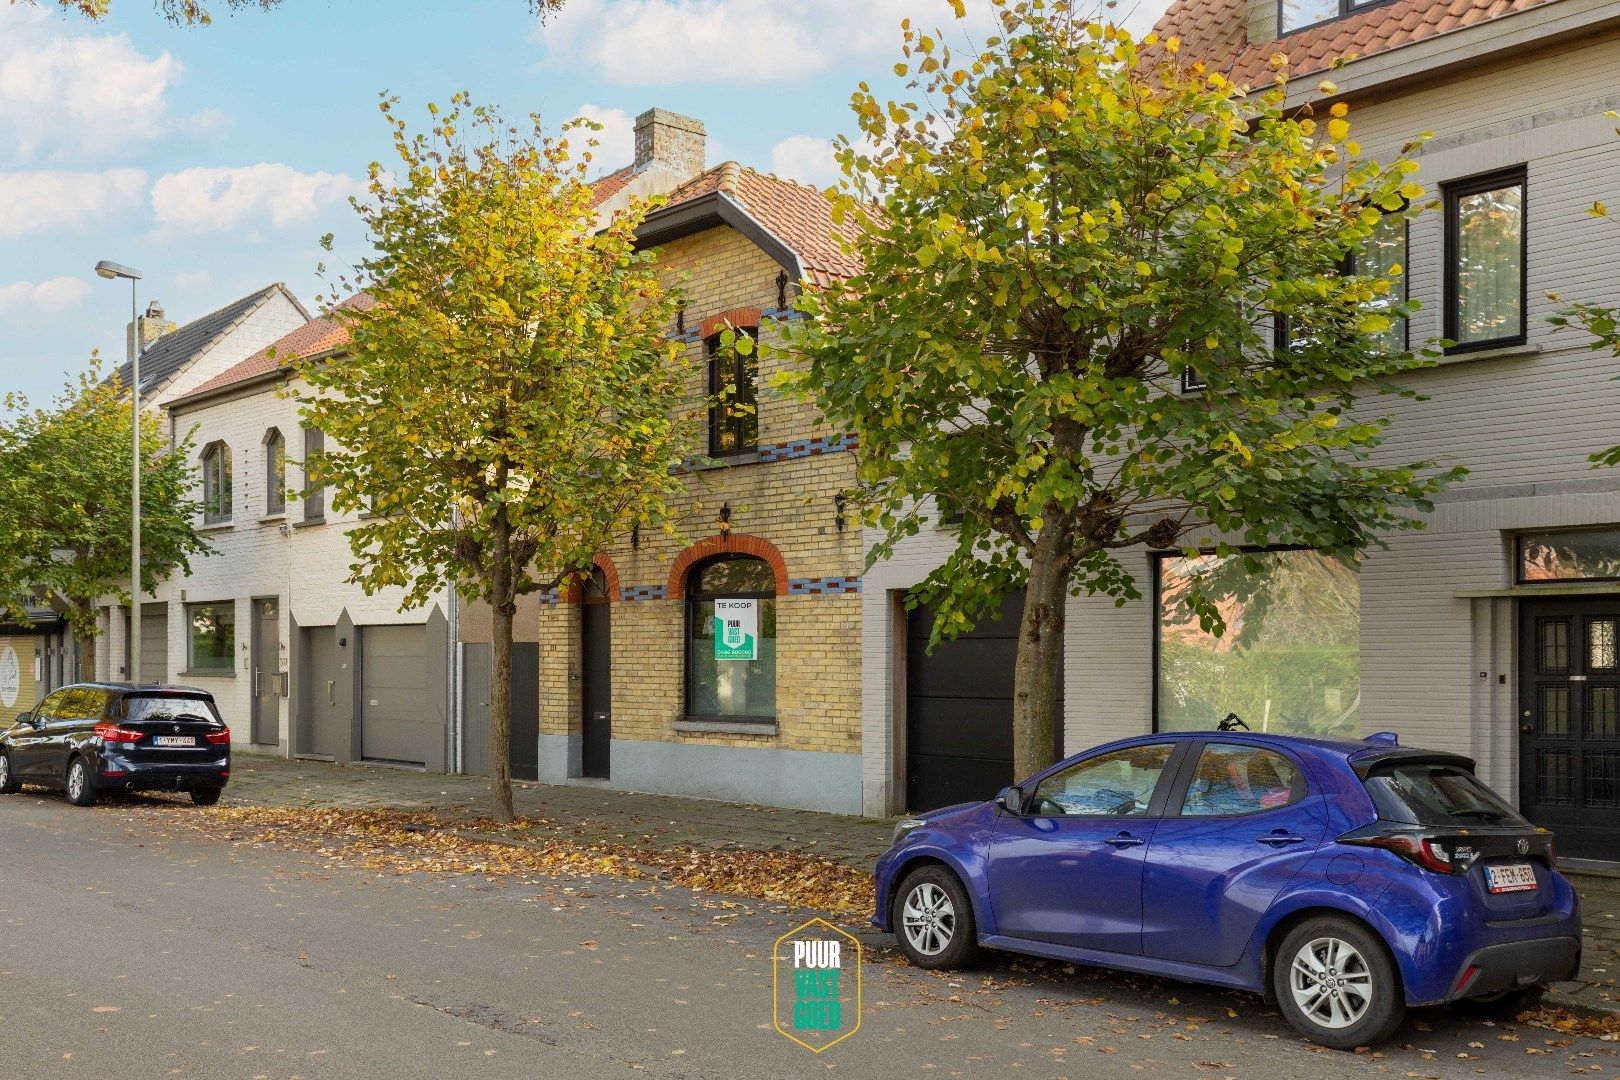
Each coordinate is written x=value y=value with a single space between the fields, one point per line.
x=1298 y=14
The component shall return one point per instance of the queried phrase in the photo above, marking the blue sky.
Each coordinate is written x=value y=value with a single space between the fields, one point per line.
x=213 y=158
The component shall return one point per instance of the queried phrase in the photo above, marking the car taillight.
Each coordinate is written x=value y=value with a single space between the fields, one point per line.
x=1420 y=850
x=220 y=737
x=112 y=733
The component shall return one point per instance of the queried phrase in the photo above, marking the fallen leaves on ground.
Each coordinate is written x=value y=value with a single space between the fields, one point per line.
x=1604 y=1027
x=405 y=842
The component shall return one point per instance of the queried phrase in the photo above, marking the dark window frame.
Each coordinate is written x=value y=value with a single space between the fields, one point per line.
x=314 y=498
x=275 y=472
x=694 y=597
x=1280 y=337
x=1347 y=8
x=744 y=426
x=1537 y=583
x=217 y=488
x=229 y=670
x=1192 y=382
x=1453 y=192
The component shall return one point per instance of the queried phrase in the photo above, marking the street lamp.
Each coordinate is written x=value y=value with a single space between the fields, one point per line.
x=113 y=271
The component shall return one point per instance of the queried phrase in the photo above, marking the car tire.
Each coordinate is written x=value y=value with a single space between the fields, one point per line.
x=81 y=790
x=205 y=796
x=1337 y=985
x=1505 y=1005
x=9 y=784
x=933 y=920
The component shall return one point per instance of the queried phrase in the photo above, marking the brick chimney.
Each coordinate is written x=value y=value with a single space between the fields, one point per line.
x=153 y=326
x=670 y=141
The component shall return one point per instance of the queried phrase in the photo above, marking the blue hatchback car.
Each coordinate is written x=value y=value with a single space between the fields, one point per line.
x=1344 y=881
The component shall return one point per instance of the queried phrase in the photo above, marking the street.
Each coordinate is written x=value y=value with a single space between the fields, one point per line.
x=135 y=948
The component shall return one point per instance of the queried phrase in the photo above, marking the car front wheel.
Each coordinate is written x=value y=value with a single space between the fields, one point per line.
x=8 y=781
x=1337 y=985
x=933 y=920
x=80 y=791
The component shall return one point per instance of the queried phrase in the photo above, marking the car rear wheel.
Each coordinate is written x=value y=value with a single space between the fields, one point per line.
x=205 y=796
x=1337 y=985
x=933 y=920
x=80 y=791
x=8 y=782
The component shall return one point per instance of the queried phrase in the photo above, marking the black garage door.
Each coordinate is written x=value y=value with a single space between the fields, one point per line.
x=959 y=709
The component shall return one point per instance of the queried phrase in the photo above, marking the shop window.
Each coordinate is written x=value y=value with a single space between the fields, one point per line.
x=211 y=637
x=1576 y=555
x=1485 y=261
x=731 y=639
x=1289 y=659
x=216 y=470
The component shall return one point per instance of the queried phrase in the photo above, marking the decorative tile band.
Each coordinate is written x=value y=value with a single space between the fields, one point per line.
x=823 y=586
x=643 y=592
x=801 y=448
x=549 y=597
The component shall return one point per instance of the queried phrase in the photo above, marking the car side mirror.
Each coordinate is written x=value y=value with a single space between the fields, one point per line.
x=27 y=718
x=1011 y=799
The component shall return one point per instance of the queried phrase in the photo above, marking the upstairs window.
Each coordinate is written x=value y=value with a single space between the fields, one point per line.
x=733 y=410
x=1485 y=261
x=275 y=473
x=1298 y=14
x=314 y=497
x=216 y=470
x=1384 y=255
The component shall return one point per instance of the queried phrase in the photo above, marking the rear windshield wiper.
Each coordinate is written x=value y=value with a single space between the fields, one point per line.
x=1483 y=815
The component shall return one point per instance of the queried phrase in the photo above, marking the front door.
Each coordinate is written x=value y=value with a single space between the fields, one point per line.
x=1569 y=722
x=1068 y=871
x=266 y=672
x=596 y=668
x=328 y=701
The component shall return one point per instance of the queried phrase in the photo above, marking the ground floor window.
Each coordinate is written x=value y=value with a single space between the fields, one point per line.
x=1575 y=555
x=1289 y=659
x=211 y=637
x=731 y=639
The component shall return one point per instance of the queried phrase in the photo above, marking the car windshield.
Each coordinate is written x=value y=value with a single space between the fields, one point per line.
x=168 y=707
x=1434 y=794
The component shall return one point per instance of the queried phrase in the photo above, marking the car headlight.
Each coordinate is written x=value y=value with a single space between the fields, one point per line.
x=904 y=827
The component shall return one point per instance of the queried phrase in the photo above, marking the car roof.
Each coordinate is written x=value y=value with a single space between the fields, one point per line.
x=129 y=687
x=1359 y=752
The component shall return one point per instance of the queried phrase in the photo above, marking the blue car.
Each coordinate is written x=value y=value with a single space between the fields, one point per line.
x=1345 y=881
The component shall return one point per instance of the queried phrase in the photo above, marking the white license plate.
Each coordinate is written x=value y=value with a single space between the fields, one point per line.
x=1511 y=877
x=174 y=740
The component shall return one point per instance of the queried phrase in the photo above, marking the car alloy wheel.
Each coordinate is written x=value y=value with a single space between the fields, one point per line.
x=5 y=771
x=1331 y=982
x=928 y=919
x=76 y=781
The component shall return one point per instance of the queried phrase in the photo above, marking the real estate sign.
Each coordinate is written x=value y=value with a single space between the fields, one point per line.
x=736 y=629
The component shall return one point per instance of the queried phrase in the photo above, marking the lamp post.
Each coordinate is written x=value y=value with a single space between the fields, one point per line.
x=113 y=271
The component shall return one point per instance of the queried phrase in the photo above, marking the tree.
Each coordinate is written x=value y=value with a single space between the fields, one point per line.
x=195 y=12
x=510 y=398
x=1602 y=324
x=1068 y=229
x=65 y=515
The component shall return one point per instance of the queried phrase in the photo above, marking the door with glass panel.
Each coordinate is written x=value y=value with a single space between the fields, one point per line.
x=1569 y=722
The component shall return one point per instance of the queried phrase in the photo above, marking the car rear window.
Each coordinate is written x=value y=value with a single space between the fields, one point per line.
x=154 y=706
x=1434 y=794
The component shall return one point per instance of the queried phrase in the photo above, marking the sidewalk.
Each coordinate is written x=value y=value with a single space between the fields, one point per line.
x=595 y=814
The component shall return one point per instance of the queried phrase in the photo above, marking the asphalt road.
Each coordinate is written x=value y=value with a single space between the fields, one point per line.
x=130 y=950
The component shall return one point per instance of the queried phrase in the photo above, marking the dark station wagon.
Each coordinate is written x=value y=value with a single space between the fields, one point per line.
x=93 y=737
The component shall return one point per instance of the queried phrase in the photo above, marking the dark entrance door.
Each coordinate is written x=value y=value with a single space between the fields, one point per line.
x=1569 y=722
x=959 y=709
x=596 y=664
x=524 y=743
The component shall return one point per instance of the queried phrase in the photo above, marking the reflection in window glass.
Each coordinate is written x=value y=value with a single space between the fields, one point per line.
x=736 y=686
x=1385 y=256
x=1234 y=779
x=1570 y=556
x=1487 y=301
x=1297 y=13
x=212 y=632
x=1290 y=658
x=1115 y=785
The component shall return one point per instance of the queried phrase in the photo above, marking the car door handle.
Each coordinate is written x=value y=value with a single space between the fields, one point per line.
x=1279 y=839
x=1124 y=840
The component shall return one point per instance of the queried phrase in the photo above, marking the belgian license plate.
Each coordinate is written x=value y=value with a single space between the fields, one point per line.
x=1510 y=877
x=174 y=740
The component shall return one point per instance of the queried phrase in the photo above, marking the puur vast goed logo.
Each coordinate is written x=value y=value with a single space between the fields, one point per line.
x=816 y=979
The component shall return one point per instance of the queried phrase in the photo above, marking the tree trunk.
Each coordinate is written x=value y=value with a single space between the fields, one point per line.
x=1040 y=655
x=500 y=698
x=87 y=657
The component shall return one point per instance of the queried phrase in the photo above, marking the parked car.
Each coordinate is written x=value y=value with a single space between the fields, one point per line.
x=1345 y=881
x=93 y=737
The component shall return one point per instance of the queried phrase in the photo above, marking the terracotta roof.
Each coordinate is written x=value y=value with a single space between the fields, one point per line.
x=320 y=335
x=798 y=215
x=604 y=188
x=1214 y=31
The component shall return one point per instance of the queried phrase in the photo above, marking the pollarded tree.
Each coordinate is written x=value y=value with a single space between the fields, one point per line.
x=1060 y=236
x=66 y=509
x=510 y=400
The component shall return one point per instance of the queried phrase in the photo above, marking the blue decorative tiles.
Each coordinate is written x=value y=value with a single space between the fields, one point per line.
x=629 y=593
x=823 y=586
x=549 y=597
x=801 y=448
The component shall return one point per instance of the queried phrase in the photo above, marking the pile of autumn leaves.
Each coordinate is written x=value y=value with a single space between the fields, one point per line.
x=403 y=842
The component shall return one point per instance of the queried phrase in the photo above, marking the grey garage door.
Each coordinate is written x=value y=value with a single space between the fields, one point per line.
x=959 y=709
x=399 y=720
x=154 y=643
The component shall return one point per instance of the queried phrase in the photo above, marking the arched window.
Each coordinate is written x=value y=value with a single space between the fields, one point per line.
x=216 y=470
x=275 y=472
x=731 y=639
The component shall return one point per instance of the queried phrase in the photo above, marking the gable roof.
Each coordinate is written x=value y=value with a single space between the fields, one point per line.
x=166 y=357
x=1214 y=31
x=317 y=337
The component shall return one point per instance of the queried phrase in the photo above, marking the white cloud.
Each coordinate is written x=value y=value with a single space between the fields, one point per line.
x=805 y=158
x=57 y=294
x=39 y=201
x=194 y=279
x=615 y=143
x=662 y=42
x=71 y=95
x=203 y=199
